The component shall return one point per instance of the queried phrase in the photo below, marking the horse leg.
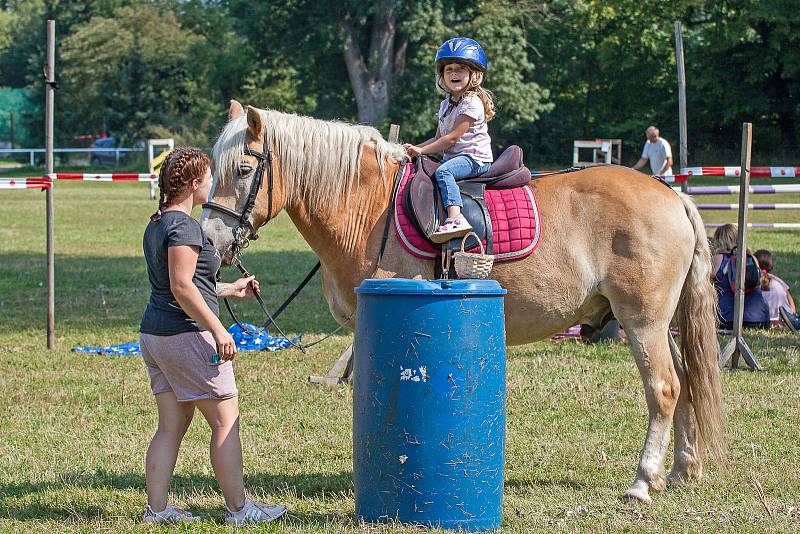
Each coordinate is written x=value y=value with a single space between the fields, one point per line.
x=662 y=389
x=688 y=464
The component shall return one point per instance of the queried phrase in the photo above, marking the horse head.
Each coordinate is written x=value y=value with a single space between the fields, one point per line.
x=248 y=186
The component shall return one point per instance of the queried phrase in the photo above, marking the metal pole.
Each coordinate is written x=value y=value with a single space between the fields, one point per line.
x=50 y=75
x=681 y=101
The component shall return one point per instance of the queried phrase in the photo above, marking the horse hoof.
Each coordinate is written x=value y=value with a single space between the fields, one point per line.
x=637 y=493
x=675 y=479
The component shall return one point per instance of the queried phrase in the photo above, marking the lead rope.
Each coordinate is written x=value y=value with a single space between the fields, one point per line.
x=271 y=320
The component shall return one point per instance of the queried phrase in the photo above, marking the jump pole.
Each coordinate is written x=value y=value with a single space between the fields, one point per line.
x=49 y=84
x=681 y=100
x=738 y=346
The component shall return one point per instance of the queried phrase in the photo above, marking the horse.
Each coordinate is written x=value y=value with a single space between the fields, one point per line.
x=612 y=241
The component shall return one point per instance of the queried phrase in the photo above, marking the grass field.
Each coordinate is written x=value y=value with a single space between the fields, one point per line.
x=75 y=427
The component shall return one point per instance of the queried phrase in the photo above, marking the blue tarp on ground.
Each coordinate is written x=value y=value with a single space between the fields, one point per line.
x=244 y=342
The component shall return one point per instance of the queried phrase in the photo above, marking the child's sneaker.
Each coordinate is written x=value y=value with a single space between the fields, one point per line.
x=170 y=514
x=254 y=512
x=789 y=319
x=453 y=227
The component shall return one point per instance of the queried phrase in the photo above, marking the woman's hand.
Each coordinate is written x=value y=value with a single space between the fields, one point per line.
x=244 y=287
x=226 y=347
x=412 y=150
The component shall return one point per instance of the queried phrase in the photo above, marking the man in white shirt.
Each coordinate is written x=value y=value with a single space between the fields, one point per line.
x=657 y=150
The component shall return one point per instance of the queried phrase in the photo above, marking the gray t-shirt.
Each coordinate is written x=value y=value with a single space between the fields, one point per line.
x=163 y=315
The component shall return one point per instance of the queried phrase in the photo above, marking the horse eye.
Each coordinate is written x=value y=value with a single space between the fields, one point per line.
x=244 y=170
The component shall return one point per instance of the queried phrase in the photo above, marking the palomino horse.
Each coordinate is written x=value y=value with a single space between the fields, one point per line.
x=613 y=240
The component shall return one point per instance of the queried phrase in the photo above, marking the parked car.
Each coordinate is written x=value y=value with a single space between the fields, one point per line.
x=102 y=152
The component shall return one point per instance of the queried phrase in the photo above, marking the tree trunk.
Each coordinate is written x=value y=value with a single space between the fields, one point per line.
x=371 y=79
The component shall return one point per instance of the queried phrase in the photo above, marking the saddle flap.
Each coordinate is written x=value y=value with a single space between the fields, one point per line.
x=420 y=202
x=428 y=166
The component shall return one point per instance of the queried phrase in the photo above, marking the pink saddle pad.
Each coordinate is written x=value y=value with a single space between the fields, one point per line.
x=514 y=215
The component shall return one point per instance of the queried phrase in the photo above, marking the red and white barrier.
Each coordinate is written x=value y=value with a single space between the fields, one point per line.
x=735 y=172
x=26 y=183
x=106 y=177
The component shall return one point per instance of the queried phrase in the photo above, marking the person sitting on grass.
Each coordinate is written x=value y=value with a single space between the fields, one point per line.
x=776 y=293
x=187 y=351
x=756 y=312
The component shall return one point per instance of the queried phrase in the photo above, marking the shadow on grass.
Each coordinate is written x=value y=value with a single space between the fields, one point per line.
x=309 y=485
x=112 y=292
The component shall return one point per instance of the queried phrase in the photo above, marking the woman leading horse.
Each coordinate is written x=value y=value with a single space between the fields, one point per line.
x=612 y=241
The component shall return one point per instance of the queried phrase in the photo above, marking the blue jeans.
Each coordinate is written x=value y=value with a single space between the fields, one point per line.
x=453 y=170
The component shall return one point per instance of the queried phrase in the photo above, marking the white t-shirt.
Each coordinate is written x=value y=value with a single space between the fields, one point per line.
x=776 y=296
x=475 y=142
x=658 y=153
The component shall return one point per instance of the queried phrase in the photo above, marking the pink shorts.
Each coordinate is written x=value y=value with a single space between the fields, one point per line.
x=182 y=364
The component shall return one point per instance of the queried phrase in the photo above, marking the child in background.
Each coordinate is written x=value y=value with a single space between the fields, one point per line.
x=756 y=312
x=776 y=293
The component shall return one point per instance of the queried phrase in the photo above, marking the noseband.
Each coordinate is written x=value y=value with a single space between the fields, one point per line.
x=245 y=230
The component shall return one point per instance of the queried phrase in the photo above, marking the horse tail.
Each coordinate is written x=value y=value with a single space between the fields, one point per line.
x=697 y=318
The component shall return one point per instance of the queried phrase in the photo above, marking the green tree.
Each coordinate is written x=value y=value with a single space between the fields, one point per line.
x=135 y=74
x=387 y=50
x=743 y=66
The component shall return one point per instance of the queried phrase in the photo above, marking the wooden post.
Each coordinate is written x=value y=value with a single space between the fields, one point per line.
x=737 y=346
x=394 y=133
x=50 y=78
x=681 y=101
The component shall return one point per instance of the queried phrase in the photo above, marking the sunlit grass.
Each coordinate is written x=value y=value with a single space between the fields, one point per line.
x=75 y=427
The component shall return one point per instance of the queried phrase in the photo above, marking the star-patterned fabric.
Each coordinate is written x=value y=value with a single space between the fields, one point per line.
x=245 y=342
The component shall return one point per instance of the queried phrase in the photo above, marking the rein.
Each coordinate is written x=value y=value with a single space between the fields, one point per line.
x=271 y=318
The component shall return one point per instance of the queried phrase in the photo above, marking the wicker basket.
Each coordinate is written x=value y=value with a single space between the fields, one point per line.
x=471 y=265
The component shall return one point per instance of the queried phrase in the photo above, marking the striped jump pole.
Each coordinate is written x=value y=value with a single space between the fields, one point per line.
x=734 y=189
x=735 y=172
x=129 y=177
x=749 y=206
x=779 y=226
x=25 y=183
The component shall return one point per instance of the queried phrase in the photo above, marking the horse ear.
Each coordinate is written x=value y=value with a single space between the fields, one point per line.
x=255 y=123
x=235 y=110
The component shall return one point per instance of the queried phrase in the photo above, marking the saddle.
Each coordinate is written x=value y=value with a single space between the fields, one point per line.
x=423 y=202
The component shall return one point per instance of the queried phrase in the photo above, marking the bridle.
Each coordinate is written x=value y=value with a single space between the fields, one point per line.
x=245 y=229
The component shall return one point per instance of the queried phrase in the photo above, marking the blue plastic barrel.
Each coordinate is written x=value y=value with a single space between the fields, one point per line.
x=429 y=407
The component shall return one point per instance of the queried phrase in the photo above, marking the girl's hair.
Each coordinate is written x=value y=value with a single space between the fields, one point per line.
x=764 y=258
x=178 y=170
x=475 y=89
x=725 y=238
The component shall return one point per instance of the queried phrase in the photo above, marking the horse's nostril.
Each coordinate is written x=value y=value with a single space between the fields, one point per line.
x=210 y=241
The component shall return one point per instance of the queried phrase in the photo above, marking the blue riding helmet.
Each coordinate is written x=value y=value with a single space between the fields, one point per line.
x=462 y=50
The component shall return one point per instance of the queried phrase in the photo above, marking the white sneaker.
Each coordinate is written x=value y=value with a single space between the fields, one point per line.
x=170 y=514
x=254 y=512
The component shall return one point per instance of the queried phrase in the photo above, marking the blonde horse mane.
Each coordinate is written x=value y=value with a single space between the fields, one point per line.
x=319 y=160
